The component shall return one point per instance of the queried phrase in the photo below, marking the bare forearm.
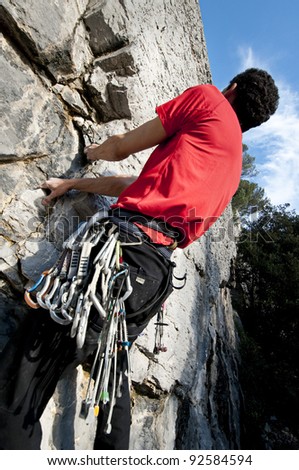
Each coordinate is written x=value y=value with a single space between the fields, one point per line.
x=106 y=185
x=143 y=137
x=120 y=146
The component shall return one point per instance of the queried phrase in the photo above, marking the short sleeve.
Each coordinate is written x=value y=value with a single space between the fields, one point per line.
x=183 y=110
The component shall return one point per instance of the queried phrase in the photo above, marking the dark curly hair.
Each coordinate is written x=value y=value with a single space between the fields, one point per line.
x=256 y=97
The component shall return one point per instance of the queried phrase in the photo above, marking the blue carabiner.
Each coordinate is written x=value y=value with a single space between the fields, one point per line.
x=38 y=283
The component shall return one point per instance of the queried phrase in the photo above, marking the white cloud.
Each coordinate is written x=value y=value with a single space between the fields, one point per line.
x=277 y=141
x=249 y=59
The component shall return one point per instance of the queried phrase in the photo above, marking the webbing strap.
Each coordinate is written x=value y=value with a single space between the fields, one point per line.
x=154 y=223
x=131 y=229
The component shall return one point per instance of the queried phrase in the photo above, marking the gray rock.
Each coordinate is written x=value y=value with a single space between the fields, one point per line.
x=108 y=96
x=72 y=98
x=59 y=96
x=50 y=36
x=106 y=29
x=9 y=264
x=120 y=62
x=32 y=250
x=33 y=118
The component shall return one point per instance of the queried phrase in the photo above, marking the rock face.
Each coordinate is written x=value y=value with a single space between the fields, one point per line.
x=75 y=72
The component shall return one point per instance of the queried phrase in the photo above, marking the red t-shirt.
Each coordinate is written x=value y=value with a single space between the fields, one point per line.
x=191 y=177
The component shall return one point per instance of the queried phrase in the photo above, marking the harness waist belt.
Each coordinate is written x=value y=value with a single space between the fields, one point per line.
x=155 y=224
x=132 y=229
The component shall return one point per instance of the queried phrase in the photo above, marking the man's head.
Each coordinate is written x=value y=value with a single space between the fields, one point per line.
x=255 y=97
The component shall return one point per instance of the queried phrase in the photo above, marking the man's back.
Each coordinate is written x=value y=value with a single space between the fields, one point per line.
x=191 y=177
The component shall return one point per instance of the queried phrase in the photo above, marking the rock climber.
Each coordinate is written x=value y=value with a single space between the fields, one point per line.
x=185 y=185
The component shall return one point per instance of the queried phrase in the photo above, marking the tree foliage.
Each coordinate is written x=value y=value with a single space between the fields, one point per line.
x=249 y=169
x=249 y=194
x=267 y=273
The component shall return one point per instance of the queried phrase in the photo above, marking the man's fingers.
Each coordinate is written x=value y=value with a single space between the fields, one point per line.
x=52 y=184
x=89 y=147
x=50 y=191
x=47 y=190
x=48 y=184
x=46 y=201
x=91 y=151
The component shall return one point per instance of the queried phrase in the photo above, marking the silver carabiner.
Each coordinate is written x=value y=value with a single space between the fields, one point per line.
x=51 y=293
x=82 y=327
x=77 y=315
x=57 y=319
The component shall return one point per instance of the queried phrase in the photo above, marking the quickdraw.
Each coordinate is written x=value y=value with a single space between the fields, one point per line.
x=159 y=345
x=69 y=290
x=90 y=272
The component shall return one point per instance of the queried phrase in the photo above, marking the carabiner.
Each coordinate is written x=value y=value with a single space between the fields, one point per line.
x=57 y=319
x=29 y=300
x=40 y=295
x=77 y=316
x=27 y=296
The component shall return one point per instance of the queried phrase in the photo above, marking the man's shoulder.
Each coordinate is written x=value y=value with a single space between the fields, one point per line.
x=204 y=94
x=204 y=88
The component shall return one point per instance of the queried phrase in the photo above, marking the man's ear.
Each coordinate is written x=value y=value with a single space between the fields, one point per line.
x=230 y=93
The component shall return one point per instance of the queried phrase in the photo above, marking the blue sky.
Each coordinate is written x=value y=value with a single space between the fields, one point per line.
x=263 y=34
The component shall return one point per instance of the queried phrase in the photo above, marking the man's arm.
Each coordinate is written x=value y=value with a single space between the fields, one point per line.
x=115 y=148
x=120 y=146
x=105 y=185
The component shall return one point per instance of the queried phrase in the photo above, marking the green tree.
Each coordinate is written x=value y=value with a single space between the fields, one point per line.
x=249 y=194
x=249 y=169
x=267 y=300
x=249 y=197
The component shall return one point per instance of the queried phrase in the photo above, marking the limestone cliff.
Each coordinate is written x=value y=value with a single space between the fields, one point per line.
x=80 y=70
